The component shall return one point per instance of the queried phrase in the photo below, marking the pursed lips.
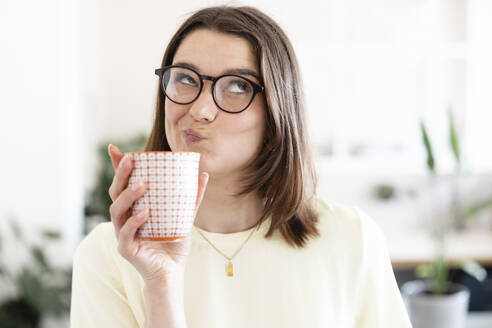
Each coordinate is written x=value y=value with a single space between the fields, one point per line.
x=192 y=136
x=192 y=132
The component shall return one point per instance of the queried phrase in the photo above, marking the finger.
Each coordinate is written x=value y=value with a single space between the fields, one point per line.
x=120 y=179
x=122 y=204
x=202 y=185
x=115 y=154
x=127 y=243
x=119 y=222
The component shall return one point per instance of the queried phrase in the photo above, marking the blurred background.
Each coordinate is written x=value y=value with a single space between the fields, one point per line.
x=399 y=111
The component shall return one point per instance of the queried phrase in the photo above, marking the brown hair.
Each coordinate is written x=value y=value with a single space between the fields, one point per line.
x=284 y=168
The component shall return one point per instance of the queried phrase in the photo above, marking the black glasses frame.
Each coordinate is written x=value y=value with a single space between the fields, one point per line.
x=256 y=87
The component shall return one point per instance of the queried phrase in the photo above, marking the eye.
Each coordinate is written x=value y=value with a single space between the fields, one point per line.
x=238 y=86
x=186 y=79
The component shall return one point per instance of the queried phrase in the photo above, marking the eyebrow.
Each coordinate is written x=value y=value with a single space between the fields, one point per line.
x=238 y=71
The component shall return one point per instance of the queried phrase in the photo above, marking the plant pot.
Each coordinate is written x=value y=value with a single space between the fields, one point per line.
x=427 y=310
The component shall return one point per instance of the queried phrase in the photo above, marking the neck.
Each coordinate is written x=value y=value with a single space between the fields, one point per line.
x=222 y=213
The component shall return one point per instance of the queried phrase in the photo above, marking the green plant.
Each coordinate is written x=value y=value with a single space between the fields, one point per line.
x=438 y=271
x=40 y=288
x=98 y=202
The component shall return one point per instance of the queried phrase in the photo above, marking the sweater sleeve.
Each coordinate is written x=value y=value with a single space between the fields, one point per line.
x=98 y=296
x=380 y=301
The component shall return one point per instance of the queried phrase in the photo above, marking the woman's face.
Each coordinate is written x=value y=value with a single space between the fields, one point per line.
x=230 y=140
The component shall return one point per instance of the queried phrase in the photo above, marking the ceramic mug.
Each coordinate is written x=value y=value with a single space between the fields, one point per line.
x=171 y=180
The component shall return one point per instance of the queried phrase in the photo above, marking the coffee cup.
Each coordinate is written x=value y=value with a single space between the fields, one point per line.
x=171 y=180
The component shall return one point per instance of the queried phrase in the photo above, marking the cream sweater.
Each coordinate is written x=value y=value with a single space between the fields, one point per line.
x=342 y=279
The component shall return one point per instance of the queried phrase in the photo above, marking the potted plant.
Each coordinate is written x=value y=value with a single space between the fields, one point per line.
x=434 y=300
x=41 y=290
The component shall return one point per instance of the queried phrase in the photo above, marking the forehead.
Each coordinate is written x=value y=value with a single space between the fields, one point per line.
x=213 y=52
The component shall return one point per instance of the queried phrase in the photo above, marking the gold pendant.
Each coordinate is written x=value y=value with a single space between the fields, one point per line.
x=230 y=269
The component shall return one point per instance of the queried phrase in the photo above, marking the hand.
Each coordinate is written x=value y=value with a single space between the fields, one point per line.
x=157 y=262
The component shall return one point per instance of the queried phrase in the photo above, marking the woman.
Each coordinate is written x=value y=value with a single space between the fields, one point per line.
x=301 y=261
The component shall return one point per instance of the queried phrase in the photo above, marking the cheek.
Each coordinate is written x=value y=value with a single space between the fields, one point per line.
x=246 y=132
x=170 y=112
x=173 y=113
x=171 y=117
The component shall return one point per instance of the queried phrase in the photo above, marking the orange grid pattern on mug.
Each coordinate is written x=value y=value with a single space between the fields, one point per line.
x=171 y=180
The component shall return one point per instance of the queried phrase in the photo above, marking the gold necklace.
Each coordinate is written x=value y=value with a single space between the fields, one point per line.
x=229 y=267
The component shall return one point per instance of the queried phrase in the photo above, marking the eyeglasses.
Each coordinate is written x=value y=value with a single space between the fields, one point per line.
x=231 y=93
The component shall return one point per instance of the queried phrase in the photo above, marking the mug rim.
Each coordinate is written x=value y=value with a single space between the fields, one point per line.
x=163 y=151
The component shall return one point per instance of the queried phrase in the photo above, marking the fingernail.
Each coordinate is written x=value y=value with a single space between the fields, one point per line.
x=137 y=185
x=122 y=161
x=206 y=179
x=143 y=213
x=109 y=149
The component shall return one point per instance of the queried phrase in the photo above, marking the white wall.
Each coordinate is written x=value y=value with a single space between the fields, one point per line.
x=480 y=80
x=41 y=161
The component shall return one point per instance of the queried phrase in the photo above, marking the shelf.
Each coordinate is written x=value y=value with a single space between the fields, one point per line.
x=410 y=248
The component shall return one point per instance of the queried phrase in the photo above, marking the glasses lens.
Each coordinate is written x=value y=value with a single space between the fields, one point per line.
x=233 y=93
x=181 y=85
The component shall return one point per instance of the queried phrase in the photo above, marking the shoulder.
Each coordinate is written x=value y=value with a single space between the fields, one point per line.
x=347 y=225
x=344 y=217
x=97 y=247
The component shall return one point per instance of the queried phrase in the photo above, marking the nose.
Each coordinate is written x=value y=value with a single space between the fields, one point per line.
x=204 y=108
